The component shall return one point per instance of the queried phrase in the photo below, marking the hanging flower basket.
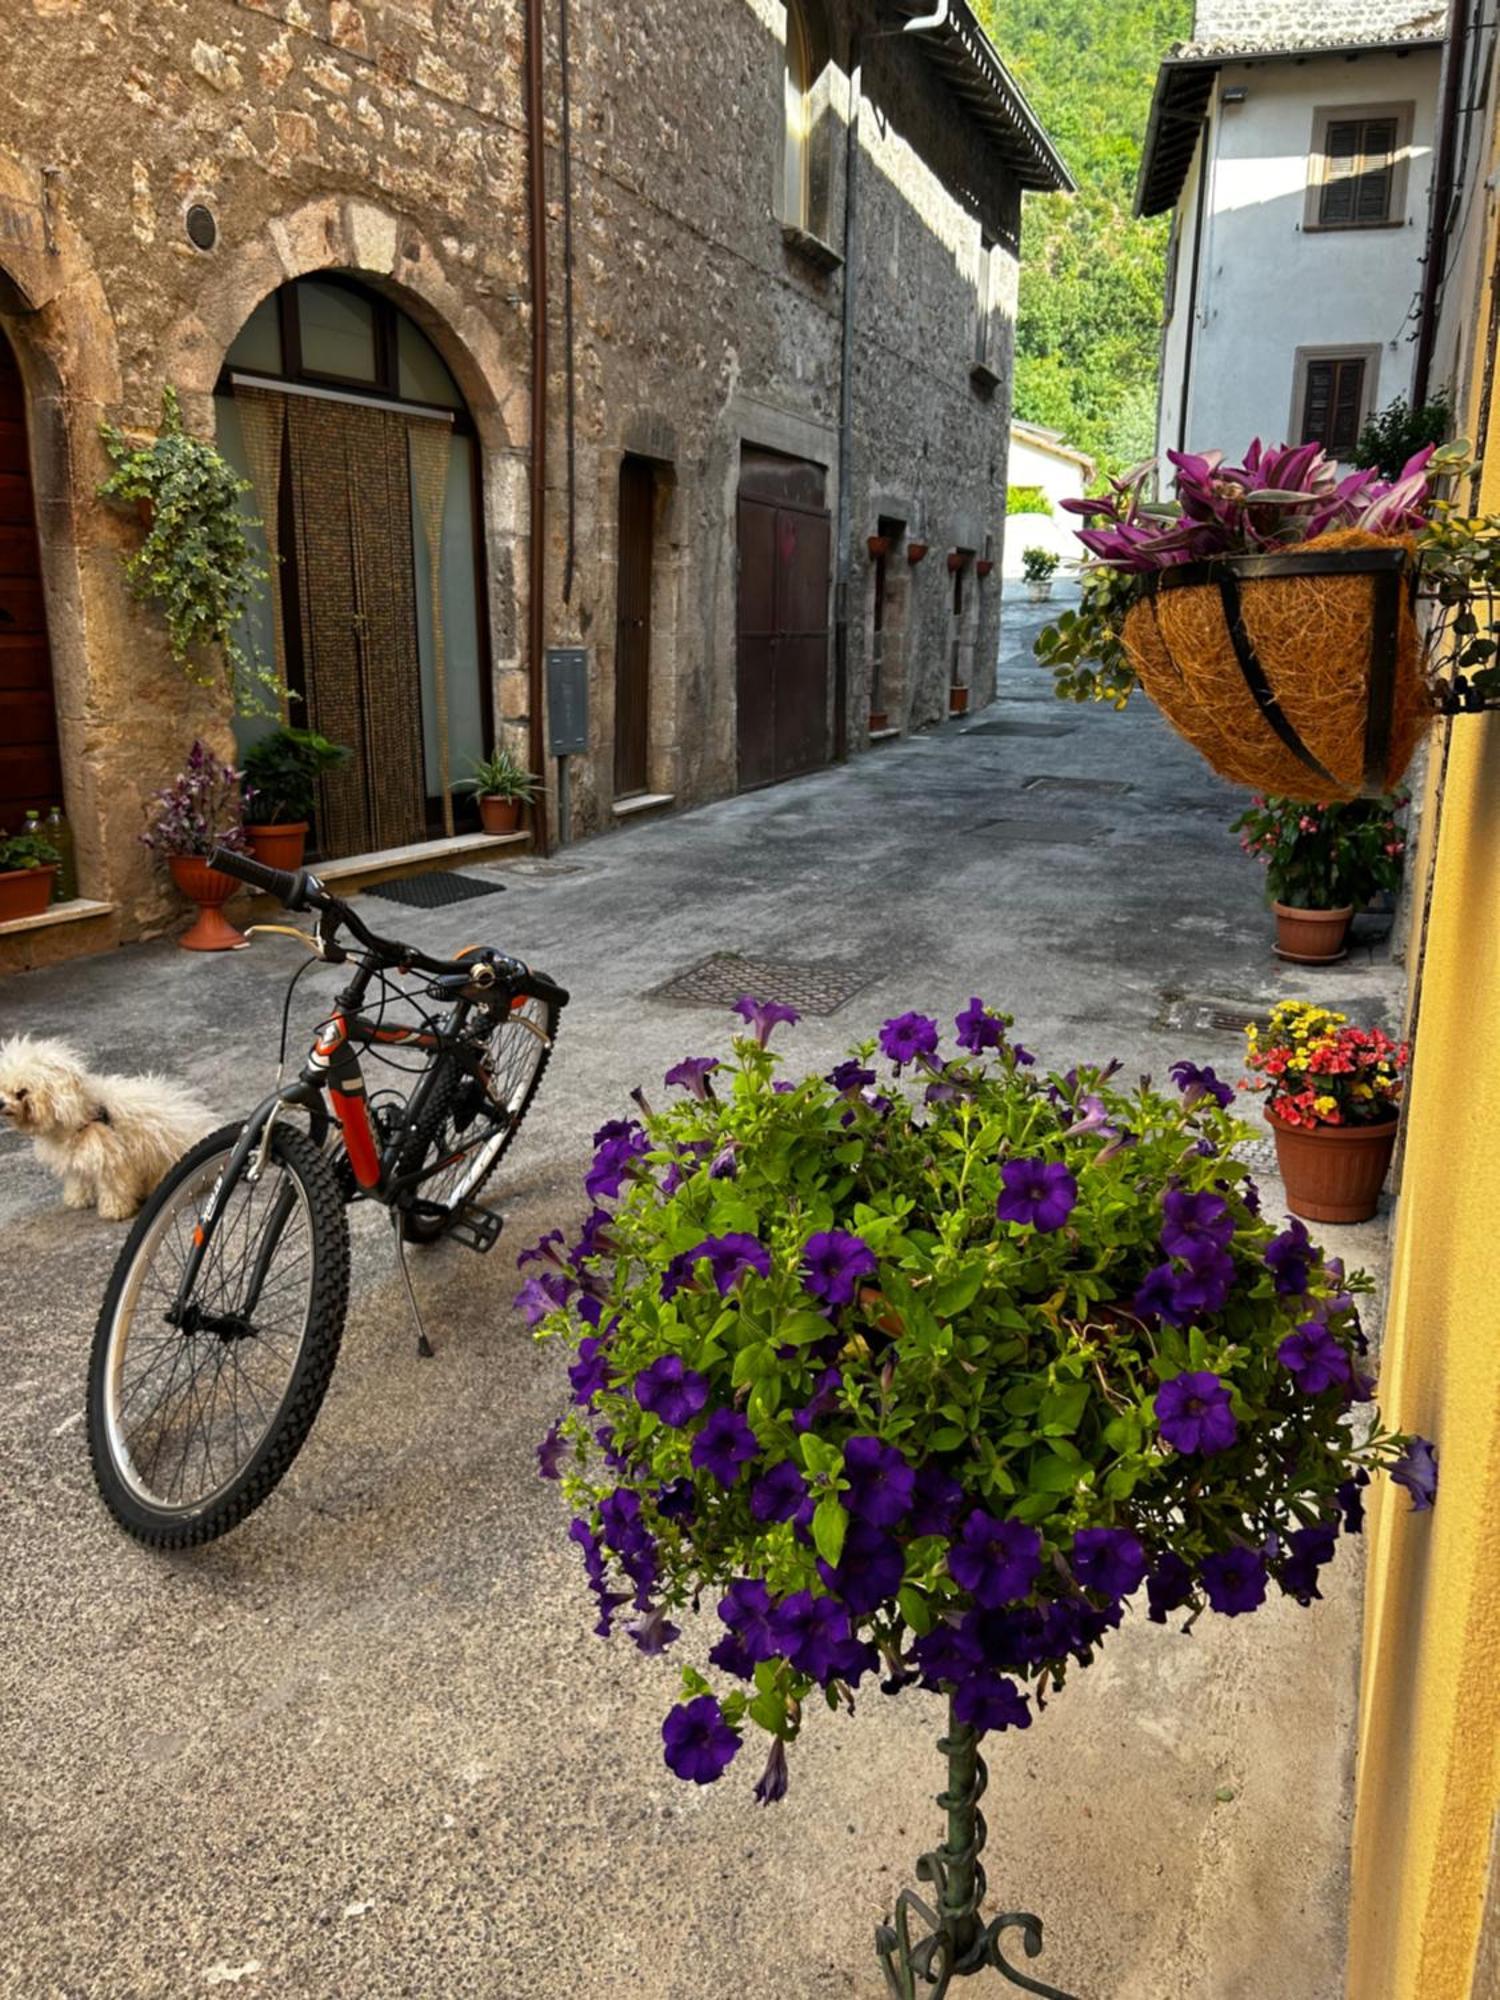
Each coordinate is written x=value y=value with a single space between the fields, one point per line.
x=1298 y=673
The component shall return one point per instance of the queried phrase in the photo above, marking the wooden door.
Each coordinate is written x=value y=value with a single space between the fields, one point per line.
x=30 y=770
x=633 y=627
x=782 y=674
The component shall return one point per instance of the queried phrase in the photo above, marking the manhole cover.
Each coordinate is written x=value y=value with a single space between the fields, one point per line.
x=1108 y=786
x=726 y=977
x=545 y=869
x=1039 y=832
x=1007 y=728
x=1183 y=1014
x=434 y=891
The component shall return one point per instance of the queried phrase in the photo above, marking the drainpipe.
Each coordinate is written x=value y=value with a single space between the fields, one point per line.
x=536 y=613
x=938 y=18
x=1454 y=58
x=845 y=531
x=1200 y=227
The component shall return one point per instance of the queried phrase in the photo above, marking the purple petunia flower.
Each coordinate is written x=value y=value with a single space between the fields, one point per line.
x=693 y=1073
x=1203 y=1286
x=543 y=1251
x=771 y=1784
x=590 y=1372
x=1309 y=1549
x=995 y=1561
x=778 y=1494
x=811 y=1631
x=655 y=1632
x=1196 y=1083
x=825 y=1389
x=1039 y=1192
x=869 y=1569
x=731 y=1656
x=946 y=1654
x=539 y=1296
x=936 y=1502
x=1193 y=1413
x=671 y=1390
x=731 y=1258
x=988 y=1701
x=1350 y=1501
x=621 y=1523
x=593 y=1239
x=764 y=1015
x=725 y=1163
x=549 y=1453
x=747 y=1610
x=1314 y=1357
x=1192 y=1220
x=1109 y=1560
x=1417 y=1471
x=676 y=1501
x=978 y=1029
x=616 y=1144
x=1091 y=1114
x=1156 y=1295
x=1168 y=1587
x=833 y=1261
x=908 y=1036
x=699 y=1744
x=1235 y=1581
x=879 y=1480
x=724 y=1446
x=849 y=1076
x=1289 y=1256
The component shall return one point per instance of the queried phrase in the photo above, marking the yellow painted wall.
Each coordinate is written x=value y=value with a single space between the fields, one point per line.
x=1428 y=1776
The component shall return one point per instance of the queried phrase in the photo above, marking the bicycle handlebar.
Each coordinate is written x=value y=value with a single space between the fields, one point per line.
x=300 y=889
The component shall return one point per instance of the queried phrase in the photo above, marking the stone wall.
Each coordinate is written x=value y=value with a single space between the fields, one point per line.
x=389 y=138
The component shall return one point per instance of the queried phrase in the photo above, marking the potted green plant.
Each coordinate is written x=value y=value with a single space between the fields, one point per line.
x=28 y=874
x=916 y=1373
x=200 y=810
x=282 y=771
x=503 y=786
x=195 y=565
x=1323 y=862
x=1333 y=1097
x=1038 y=566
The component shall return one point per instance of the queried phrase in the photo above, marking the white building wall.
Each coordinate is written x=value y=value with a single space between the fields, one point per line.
x=1030 y=464
x=1267 y=286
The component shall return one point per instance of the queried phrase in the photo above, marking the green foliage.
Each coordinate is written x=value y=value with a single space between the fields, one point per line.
x=282 y=772
x=1398 y=432
x=1027 y=500
x=26 y=850
x=1090 y=316
x=196 y=564
x=1083 y=649
x=1037 y=564
x=1320 y=857
x=499 y=777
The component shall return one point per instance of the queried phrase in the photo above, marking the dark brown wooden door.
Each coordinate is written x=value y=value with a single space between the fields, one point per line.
x=633 y=627
x=783 y=638
x=30 y=771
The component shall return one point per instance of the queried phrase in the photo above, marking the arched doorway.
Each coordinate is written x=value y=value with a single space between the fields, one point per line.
x=362 y=458
x=30 y=770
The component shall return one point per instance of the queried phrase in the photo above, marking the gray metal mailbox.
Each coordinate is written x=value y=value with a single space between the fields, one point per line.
x=567 y=700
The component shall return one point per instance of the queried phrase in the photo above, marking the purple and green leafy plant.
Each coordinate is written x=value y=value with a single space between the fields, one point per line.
x=201 y=809
x=946 y=1369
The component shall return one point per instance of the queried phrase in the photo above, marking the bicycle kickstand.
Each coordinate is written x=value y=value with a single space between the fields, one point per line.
x=424 y=1346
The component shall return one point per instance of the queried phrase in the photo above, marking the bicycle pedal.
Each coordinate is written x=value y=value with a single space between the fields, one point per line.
x=477 y=1228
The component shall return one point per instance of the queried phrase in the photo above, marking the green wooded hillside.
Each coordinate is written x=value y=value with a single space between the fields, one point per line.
x=1091 y=276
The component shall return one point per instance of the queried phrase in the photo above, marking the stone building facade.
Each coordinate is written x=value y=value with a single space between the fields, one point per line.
x=310 y=218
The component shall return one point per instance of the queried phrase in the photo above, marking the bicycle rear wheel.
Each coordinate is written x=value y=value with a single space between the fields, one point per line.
x=473 y=1119
x=193 y=1418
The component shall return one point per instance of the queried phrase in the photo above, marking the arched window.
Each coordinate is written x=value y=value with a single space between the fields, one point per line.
x=797 y=185
x=363 y=461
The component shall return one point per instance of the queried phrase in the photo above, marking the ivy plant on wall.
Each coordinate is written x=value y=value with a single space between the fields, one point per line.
x=196 y=565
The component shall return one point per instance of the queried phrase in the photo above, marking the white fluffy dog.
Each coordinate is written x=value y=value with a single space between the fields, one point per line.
x=110 y=1138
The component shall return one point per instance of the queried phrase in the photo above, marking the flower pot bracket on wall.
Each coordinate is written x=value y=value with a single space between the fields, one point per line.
x=915 y=551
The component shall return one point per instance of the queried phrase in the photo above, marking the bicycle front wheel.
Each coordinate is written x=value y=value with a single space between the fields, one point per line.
x=196 y=1410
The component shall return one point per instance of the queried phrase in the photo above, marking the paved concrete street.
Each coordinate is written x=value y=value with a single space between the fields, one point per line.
x=367 y=1747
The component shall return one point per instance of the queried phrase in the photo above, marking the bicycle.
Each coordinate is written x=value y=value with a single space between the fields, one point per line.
x=222 y=1319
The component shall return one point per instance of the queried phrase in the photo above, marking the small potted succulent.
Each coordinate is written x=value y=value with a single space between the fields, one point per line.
x=1333 y=1096
x=282 y=771
x=1038 y=566
x=28 y=874
x=1323 y=862
x=503 y=786
x=919 y=1374
x=203 y=808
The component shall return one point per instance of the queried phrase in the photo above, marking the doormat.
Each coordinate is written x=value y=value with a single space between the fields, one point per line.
x=1041 y=832
x=435 y=891
x=1008 y=728
x=726 y=977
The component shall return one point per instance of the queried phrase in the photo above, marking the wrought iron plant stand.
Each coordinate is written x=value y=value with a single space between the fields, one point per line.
x=956 y=1941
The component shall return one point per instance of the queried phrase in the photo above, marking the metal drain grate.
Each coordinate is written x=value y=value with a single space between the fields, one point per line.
x=1109 y=787
x=1184 y=1014
x=1008 y=728
x=725 y=977
x=434 y=891
x=1041 y=832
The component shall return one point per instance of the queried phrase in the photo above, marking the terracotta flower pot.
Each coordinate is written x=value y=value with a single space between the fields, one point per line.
x=1333 y=1173
x=281 y=844
x=958 y=700
x=878 y=720
x=1312 y=937
x=210 y=890
x=497 y=815
x=984 y=565
x=1039 y=589
x=878 y=545
x=25 y=892
x=915 y=551
x=956 y=560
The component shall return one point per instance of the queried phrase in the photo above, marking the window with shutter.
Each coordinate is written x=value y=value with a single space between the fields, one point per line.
x=1358 y=169
x=1333 y=402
